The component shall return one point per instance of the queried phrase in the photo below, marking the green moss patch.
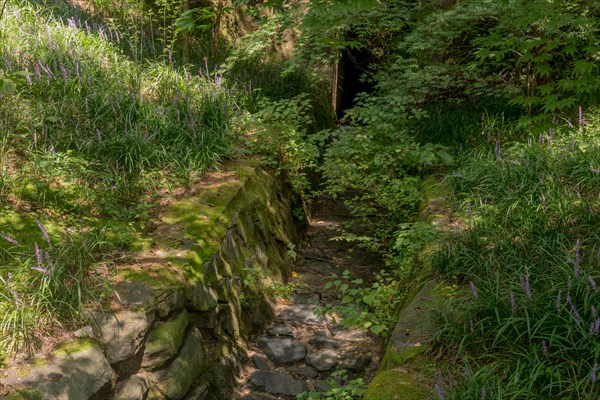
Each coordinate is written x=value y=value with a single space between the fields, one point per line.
x=157 y=276
x=168 y=337
x=395 y=385
x=394 y=358
x=25 y=394
x=79 y=345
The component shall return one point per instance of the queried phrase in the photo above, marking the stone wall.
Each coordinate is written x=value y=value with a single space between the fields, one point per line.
x=177 y=323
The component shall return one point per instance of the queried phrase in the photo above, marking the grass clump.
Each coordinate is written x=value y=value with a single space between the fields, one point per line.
x=527 y=252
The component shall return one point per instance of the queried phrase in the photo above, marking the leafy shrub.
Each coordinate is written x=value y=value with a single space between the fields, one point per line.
x=340 y=388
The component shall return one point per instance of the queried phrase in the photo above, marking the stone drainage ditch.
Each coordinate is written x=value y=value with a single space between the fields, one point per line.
x=301 y=348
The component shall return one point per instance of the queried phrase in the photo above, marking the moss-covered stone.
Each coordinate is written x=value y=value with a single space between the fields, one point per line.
x=395 y=357
x=395 y=385
x=174 y=381
x=75 y=346
x=164 y=341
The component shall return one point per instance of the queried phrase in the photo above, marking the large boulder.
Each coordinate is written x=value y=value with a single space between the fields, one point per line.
x=78 y=371
x=122 y=334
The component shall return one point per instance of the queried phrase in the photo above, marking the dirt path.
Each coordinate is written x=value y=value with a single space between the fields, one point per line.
x=301 y=348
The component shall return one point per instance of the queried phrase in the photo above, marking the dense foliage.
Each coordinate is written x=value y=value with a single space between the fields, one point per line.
x=105 y=106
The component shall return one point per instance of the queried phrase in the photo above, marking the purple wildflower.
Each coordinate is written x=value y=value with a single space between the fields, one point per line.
x=576 y=260
x=42 y=270
x=440 y=391
x=525 y=286
x=551 y=133
x=593 y=375
x=43 y=230
x=48 y=261
x=99 y=134
x=483 y=393
x=112 y=106
x=40 y=264
x=46 y=70
x=37 y=71
x=9 y=239
x=581 y=120
x=471 y=326
x=439 y=386
x=575 y=313
x=38 y=254
x=592 y=283
x=544 y=347
x=497 y=150
x=558 y=300
x=597 y=326
x=542 y=138
x=64 y=71
x=473 y=289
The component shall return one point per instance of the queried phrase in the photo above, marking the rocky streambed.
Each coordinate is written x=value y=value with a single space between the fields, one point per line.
x=301 y=348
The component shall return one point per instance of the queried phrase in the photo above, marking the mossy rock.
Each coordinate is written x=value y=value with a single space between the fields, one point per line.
x=177 y=378
x=394 y=358
x=395 y=385
x=164 y=341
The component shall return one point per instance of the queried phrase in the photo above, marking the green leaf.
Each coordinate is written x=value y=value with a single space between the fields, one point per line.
x=347 y=299
x=7 y=86
x=186 y=22
x=378 y=329
x=583 y=67
x=543 y=70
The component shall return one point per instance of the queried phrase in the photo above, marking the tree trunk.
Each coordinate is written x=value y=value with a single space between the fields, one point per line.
x=217 y=30
x=185 y=45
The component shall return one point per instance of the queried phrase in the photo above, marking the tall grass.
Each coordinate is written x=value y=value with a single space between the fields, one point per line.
x=86 y=143
x=528 y=252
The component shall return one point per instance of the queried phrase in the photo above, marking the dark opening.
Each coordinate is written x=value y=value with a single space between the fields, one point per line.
x=351 y=66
